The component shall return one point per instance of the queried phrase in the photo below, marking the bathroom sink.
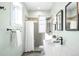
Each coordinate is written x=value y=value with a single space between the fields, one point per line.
x=53 y=42
x=53 y=45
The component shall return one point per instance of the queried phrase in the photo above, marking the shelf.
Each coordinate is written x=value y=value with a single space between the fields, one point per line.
x=72 y=18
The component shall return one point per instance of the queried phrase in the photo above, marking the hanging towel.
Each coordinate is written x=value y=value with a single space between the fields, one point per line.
x=19 y=38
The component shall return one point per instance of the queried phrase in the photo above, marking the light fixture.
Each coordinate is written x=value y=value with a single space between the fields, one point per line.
x=38 y=8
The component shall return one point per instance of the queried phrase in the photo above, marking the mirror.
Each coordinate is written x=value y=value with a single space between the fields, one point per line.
x=71 y=16
x=59 y=20
x=49 y=25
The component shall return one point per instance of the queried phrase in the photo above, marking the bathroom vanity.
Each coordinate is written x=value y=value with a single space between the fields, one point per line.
x=53 y=47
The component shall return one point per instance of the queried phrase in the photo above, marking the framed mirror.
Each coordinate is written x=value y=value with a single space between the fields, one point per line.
x=71 y=16
x=59 y=21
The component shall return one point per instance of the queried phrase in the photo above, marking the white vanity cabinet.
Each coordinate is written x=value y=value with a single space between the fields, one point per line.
x=52 y=49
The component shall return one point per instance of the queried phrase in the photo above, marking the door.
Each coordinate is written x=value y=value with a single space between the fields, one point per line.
x=4 y=23
x=8 y=40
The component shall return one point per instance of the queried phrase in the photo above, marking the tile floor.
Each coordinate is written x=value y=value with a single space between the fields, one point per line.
x=33 y=53
x=36 y=52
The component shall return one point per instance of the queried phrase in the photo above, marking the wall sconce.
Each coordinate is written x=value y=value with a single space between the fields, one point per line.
x=2 y=7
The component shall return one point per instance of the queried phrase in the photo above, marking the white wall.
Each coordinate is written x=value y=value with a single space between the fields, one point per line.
x=71 y=38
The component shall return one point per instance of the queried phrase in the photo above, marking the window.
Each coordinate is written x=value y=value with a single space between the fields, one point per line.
x=42 y=24
x=17 y=14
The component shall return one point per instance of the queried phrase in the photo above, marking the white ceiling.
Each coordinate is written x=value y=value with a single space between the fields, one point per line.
x=46 y=6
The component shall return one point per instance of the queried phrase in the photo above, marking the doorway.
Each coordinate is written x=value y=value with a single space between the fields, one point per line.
x=38 y=41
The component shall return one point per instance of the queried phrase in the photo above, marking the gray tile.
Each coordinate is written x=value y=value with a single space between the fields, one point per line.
x=33 y=53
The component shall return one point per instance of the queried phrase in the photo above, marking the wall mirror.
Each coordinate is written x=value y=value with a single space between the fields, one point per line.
x=49 y=25
x=71 y=16
x=59 y=20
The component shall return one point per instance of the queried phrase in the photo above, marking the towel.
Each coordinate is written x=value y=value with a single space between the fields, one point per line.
x=19 y=38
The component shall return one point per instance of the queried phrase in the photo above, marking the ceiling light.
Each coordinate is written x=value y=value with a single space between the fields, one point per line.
x=38 y=7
